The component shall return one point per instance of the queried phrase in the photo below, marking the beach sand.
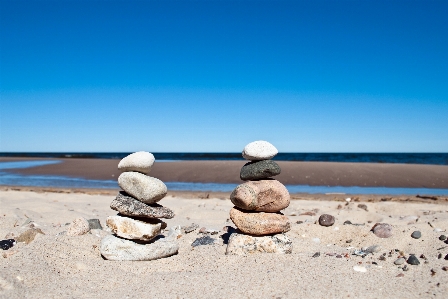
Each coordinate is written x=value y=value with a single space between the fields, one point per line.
x=58 y=266
x=293 y=173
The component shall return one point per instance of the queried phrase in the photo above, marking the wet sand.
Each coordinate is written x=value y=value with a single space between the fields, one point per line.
x=293 y=173
x=54 y=265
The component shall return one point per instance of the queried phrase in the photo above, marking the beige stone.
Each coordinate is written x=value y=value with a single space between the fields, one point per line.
x=79 y=226
x=240 y=244
x=129 y=228
x=261 y=196
x=261 y=223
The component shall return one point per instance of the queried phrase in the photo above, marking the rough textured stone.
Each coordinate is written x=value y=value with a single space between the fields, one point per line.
x=382 y=230
x=254 y=223
x=116 y=249
x=259 y=150
x=139 y=161
x=142 y=187
x=416 y=234
x=128 y=205
x=326 y=220
x=258 y=170
x=79 y=226
x=261 y=196
x=129 y=228
x=205 y=240
x=240 y=244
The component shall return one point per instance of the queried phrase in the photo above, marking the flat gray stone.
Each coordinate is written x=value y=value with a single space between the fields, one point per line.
x=259 y=150
x=129 y=206
x=134 y=229
x=240 y=244
x=139 y=162
x=116 y=249
x=258 y=170
x=142 y=187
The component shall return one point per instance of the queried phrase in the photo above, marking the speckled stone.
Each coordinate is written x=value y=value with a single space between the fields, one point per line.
x=326 y=220
x=142 y=187
x=261 y=196
x=258 y=170
x=139 y=162
x=259 y=150
x=382 y=230
x=240 y=244
x=134 y=229
x=79 y=226
x=128 y=205
x=261 y=223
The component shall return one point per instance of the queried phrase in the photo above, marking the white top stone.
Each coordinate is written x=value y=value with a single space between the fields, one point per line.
x=259 y=150
x=139 y=162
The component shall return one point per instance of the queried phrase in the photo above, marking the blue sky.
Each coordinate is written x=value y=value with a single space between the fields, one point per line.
x=211 y=76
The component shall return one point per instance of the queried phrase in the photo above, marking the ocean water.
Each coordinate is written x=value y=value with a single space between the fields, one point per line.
x=409 y=158
x=12 y=179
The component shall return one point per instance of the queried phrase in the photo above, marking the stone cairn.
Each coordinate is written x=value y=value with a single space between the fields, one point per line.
x=258 y=203
x=137 y=226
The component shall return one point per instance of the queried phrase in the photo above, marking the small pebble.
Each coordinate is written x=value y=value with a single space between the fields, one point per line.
x=442 y=238
x=339 y=256
x=423 y=257
x=373 y=249
x=317 y=254
x=359 y=269
x=416 y=234
x=445 y=268
x=439 y=256
x=399 y=261
x=382 y=230
x=347 y=222
x=438 y=230
x=362 y=206
x=349 y=241
x=446 y=257
x=299 y=222
x=382 y=258
x=400 y=275
x=6 y=244
x=413 y=260
x=326 y=220
x=405 y=268
x=206 y=240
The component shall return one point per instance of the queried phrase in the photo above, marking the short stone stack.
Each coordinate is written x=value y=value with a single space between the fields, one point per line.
x=258 y=203
x=137 y=225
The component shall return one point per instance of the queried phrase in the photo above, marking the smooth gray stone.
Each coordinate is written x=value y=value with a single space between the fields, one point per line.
x=142 y=187
x=258 y=170
x=240 y=244
x=116 y=249
x=127 y=205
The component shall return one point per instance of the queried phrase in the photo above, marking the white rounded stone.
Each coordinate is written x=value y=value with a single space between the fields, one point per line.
x=241 y=244
x=142 y=187
x=79 y=226
x=129 y=228
x=259 y=150
x=139 y=161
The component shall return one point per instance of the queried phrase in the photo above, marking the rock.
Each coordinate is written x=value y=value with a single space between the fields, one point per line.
x=205 y=240
x=317 y=254
x=399 y=261
x=259 y=223
x=116 y=249
x=326 y=220
x=79 y=226
x=442 y=238
x=359 y=269
x=139 y=162
x=413 y=260
x=142 y=187
x=129 y=206
x=382 y=230
x=94 y=224
x=416 y=234
x=6 y=244
x=261 y=196
x=362 y=206
x=129 y=228
x=259 y=150
x=240 y=244
x=190 y=228
x=28 y=236
x=373 y=249
x=258 y=170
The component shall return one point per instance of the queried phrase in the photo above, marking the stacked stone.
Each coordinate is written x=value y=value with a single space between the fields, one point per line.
x=258 y=203
x=137 y=225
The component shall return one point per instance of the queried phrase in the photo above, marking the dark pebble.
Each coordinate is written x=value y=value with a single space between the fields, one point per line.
x=299 y=222
x=413 y=260
x=382 y=258
x=446 y=257
x=317 y=254
x=206 y=240
x=442 y=238
x=405 y=268
x=326 y=220
x=349 y=241
x=423 y=257
x=416 y=235
x=439 y=256
x=445 y=268
x=6 y=244
x=339 y=256
x=190 y=228
x=362 y=206
x=347 y=222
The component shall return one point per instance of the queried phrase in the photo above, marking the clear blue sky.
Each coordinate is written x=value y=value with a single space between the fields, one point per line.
x=211 y=76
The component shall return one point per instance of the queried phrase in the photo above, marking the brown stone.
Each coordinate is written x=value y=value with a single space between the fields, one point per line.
x=382 y=230
x=261 y=196
x=259 y=224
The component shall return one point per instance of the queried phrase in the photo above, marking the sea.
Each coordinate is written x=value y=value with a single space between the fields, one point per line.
x=12 y=179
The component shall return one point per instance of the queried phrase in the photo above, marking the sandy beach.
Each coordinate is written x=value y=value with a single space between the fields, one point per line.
x=57 y=266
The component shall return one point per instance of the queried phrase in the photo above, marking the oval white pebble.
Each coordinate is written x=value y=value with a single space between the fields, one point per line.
x=138 y=161
x=259 y=150
x=359 y=269
x=348 y=199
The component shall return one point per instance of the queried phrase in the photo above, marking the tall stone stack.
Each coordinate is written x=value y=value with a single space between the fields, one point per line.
x=258 y=203
x=137 y=226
